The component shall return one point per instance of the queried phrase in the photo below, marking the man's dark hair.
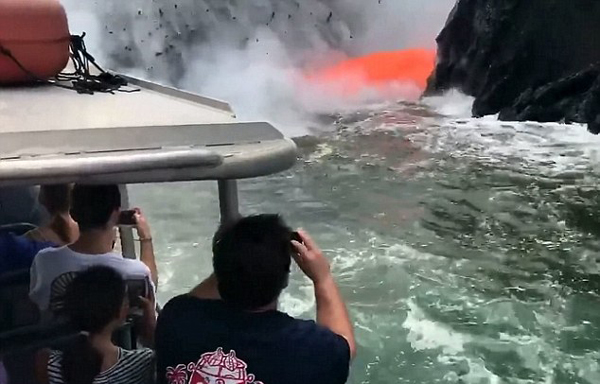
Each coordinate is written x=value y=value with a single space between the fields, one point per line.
x=252 y=260
x=92 y=205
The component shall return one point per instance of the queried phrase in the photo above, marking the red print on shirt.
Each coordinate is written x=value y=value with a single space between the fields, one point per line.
x=212 y=368
x=177 y=375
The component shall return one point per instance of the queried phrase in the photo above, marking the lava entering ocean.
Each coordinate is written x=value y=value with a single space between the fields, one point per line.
x=384 y=72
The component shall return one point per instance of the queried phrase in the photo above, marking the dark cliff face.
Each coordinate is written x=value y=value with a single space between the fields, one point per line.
x=497 y=49
x=575 y=98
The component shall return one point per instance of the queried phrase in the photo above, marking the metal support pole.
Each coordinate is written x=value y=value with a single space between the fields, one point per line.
x=126 y=233
x=228 y=201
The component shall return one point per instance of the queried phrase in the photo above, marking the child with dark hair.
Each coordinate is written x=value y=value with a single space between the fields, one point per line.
x=96 y=303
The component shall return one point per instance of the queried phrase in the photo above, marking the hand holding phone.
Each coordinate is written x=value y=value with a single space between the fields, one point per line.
x=141 y=225
x=296 y=237
x=135 y=218
x=135 y=289
x=127 y=217
x=310 y=258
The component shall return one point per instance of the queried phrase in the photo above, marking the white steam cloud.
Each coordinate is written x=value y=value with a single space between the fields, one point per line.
x=395 y=24
x=252 y=53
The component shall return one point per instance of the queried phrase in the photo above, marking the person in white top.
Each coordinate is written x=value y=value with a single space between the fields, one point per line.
x=96 y=208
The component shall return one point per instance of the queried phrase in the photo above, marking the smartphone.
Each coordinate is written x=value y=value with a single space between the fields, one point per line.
x=127 y=217
x=296 y=236
x=135 y=289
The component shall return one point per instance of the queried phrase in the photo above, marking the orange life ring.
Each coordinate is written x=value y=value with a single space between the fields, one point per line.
x=36 y=33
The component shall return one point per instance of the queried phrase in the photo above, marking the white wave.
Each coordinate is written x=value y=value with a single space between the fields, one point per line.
x=301 y=305
x=452 y=103
x=550 y=148
x=427 y=334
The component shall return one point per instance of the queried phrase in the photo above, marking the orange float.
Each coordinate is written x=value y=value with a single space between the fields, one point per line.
x=36 y=33
x=377 y=70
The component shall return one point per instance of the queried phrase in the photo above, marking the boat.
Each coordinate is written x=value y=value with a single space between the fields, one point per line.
x=143 y=133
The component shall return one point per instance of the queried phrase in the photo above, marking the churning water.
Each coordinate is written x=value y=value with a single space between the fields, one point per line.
x=467 y=249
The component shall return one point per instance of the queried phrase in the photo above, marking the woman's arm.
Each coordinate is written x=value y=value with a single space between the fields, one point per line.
x=146 y=247
x=147 y=324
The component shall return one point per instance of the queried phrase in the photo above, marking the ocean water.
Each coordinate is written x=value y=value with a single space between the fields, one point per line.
x=467 y=250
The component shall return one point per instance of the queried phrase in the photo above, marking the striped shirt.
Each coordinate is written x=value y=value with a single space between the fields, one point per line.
x=132 y=367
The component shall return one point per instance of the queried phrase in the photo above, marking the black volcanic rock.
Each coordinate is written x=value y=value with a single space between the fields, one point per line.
x=508 y=53
x=575 y=98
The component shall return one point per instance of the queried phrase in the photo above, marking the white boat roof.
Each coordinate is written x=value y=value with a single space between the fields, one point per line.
x=53 y=135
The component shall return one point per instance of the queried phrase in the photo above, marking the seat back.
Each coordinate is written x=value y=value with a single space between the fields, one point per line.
x=20 y=204
x=17 y=229
x=18 y=348
x=16 y=309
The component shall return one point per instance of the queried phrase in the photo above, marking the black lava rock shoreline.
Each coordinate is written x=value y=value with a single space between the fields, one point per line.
x=527 y=60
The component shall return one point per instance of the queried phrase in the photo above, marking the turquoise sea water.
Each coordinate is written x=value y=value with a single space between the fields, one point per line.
x=467 y=250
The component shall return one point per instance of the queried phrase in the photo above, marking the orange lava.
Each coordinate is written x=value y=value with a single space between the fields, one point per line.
x=377 y=70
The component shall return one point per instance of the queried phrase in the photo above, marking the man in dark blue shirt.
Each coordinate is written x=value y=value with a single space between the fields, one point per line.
x=228 y=329
x=18 y=252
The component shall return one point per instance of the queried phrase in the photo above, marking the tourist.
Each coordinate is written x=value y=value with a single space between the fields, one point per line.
x=61 y=229
x=96 y=303
x=229 y=327
x=96 y=208
x=18 y=252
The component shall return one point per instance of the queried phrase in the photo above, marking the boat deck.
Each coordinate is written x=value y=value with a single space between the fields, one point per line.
x=50 y=135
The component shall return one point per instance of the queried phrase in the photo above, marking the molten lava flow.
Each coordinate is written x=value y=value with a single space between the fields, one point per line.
x=410 y=67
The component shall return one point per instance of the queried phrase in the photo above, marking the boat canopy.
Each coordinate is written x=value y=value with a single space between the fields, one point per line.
x=155 y=134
